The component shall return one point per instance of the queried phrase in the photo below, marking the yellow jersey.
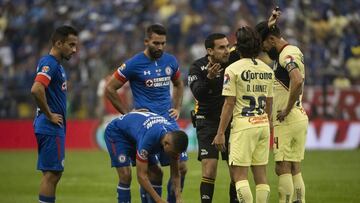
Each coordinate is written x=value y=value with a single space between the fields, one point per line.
x=251 y=82
x=289 y=54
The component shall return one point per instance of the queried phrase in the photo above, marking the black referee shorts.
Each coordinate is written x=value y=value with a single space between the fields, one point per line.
x=206 y=131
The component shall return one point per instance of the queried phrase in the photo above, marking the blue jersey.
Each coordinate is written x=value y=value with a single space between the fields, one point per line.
x=144 y=129
x=52 y=75
x=150 y=81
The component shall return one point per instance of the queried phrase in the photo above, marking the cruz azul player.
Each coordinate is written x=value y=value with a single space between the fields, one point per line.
x=150 y=74
x=136 y=138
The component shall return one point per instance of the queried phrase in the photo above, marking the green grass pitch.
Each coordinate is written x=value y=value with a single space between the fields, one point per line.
x=330 y=177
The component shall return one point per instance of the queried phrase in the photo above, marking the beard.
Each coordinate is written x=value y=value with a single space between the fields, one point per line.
x=155 y=54
x=273 y=54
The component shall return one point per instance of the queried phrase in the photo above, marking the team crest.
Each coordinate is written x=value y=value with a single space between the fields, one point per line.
x=122 y=158
x=226 y=79
x=45 y=69
x=64 y=86
x=144 y=154
x=168 y=70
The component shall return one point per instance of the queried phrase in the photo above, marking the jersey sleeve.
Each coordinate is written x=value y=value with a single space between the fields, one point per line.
x=289 y=60
x=175 y=70
x=229 y=86
x=45 y=71
x=124 y=72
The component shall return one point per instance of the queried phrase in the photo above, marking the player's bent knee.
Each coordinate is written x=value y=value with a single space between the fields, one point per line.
x=124 y=175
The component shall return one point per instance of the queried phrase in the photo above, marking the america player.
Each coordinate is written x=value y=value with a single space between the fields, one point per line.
x=289 y=118
x=150 y=73
x=248 y=85
x=143 y=135
x=49 y=91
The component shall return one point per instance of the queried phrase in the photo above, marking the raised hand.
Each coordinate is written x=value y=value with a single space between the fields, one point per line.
x=275 y=15
x=213 y=69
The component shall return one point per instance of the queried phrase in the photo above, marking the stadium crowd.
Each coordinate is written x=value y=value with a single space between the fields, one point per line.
x=111 y=31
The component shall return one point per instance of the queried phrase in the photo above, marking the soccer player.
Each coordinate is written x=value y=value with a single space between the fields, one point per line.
x=248 y=87
x=289 y=118
x=150 y=73
x=143 y=135
x=49 y=91
x=205 y=80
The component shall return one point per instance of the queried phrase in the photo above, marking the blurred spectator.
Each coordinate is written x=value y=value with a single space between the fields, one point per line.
x=325 y=30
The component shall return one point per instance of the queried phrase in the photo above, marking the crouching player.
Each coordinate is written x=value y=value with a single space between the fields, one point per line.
x=135 y=138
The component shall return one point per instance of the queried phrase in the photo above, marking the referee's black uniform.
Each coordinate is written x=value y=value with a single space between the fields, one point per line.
x=209 y=102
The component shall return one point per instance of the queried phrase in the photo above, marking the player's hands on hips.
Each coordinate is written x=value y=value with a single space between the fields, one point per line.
x=281 y=115
x=174 y=113
x=213 y=69
x=219 y=142
x=56 y=119
x=274 y=16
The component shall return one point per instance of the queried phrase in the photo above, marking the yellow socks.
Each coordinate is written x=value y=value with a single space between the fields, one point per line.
x=299 y=188
x=243 y=191
x=286 y=188
x=262 y=193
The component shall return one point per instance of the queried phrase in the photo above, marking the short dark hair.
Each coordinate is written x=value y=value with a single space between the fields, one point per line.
x=62 y=32
x=180 y=140
x=264 y=31
x=210 y=40
x=155 y=28
x=248 y=42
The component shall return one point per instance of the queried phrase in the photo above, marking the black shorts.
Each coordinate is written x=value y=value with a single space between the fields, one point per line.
x=206 y=131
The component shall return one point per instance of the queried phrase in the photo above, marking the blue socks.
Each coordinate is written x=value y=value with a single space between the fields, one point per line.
x=171 y=194
x=44 y=199
x=145 y=197
x=123 y=191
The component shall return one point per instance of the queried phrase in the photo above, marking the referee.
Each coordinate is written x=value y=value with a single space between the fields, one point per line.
x=206 y=77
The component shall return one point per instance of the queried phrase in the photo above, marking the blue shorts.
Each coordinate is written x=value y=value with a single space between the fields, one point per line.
x=51 y=152
x=122 y=151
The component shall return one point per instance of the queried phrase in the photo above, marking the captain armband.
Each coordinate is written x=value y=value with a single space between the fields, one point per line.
x=291 y=66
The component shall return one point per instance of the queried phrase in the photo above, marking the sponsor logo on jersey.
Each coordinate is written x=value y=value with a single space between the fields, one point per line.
x=247 y=76
x=147 y=72
x=158 y=82
x=168 y=70
x=226 y=79
x=45 y=69
x=158 y=72
x=191 y=78
x=203 y=68
x=122 y=158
